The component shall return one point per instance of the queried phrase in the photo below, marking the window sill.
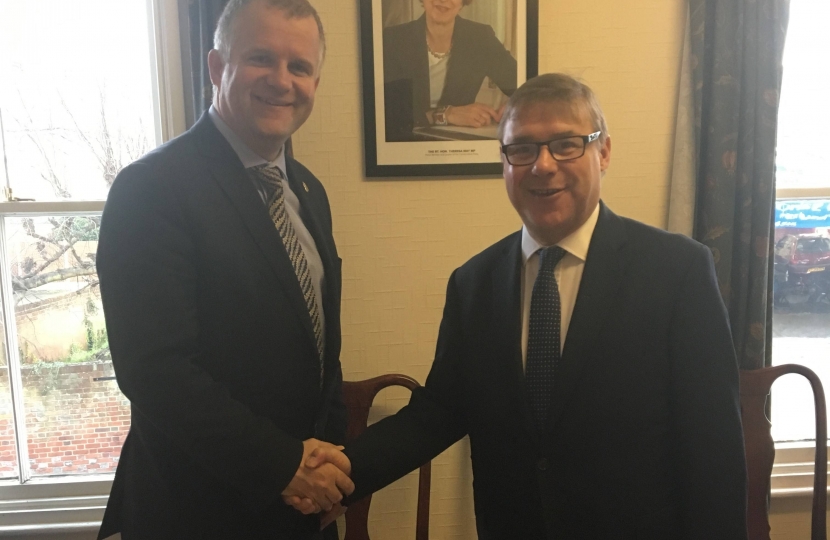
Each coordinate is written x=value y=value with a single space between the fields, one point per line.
x=52 y=208
x=803 y=193
x=792 y=471
x=53 y=505
x=75 y=504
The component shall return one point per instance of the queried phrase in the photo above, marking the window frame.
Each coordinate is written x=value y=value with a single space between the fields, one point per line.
x=75 y=503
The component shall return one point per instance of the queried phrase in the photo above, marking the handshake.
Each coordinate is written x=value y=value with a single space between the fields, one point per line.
x=321 y=481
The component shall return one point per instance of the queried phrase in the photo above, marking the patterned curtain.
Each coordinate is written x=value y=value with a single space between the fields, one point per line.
x=737 y=49
x=202 y=18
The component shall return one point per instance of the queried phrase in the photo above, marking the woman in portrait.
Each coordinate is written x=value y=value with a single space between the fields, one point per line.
x=433 y=68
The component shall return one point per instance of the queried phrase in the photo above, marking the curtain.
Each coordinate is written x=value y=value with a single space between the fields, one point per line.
x=202 y=18
x=737 y=48
x=683 y=187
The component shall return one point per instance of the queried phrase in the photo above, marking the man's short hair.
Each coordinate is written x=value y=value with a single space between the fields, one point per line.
x=293 y=9
x=555 y=88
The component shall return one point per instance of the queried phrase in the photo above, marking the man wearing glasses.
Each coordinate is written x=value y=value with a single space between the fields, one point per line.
x=587 y=356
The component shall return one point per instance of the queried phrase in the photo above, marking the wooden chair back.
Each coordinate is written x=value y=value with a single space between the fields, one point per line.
x=358 y=397
x=760 y=449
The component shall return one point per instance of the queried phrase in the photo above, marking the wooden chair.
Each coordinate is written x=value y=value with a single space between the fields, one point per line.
x=358 y=397
x=760 y=449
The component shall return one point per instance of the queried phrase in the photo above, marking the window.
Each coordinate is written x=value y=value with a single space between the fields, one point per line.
x=88 y=87
x=801 y=274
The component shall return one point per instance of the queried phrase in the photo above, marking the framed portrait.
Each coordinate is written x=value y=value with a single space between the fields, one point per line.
x=436 y=76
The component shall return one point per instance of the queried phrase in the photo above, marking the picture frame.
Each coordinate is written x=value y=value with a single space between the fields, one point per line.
x=408 y=134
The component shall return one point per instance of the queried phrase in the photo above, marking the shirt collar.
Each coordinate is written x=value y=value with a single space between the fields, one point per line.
x=576 y=243
x=248 y=157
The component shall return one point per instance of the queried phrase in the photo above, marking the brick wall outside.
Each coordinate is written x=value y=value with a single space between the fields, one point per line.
x=75 y=425
x=8 y=460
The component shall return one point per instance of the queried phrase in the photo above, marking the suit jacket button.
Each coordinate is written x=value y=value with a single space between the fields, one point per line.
x=542 y=464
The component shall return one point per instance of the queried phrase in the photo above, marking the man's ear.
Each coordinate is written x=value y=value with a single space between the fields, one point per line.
x=605 y=154
x=216 y=66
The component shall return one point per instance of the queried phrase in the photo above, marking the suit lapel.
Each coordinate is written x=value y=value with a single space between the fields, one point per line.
x=601 y=281
x=227 y=171
x=507 y=324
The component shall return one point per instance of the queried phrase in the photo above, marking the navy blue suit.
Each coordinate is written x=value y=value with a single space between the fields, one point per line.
x=643 y=438
x=212 y=343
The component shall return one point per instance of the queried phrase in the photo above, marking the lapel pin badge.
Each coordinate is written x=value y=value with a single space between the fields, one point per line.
x=305 y=186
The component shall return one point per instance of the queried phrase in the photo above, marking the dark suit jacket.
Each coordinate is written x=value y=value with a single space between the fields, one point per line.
x=644 y=436
x=212 y=343
x=476 y=53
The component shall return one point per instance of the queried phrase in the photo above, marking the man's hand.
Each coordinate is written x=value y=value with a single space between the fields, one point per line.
x=472 y=115
x=319 y=488
x=327 y=454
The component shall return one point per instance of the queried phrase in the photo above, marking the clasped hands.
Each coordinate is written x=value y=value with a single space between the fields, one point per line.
x=321 y=481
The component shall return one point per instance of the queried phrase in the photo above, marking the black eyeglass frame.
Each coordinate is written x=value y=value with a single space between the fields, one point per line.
x=586 y=139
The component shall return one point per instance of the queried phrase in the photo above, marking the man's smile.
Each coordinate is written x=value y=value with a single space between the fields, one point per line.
x=549 y=192
x=272 y=101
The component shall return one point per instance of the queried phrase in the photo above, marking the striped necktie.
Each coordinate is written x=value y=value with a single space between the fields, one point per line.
x=543 y=339
x=271 y=179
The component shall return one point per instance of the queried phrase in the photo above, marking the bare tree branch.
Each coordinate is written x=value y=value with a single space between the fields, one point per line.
x=51 y=177
x=80 y=132
x=110 y=164
x=76 y=256
x=50 y=277
x=46 y=262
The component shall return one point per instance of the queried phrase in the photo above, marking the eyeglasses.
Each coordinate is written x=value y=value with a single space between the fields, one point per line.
x=561 y=149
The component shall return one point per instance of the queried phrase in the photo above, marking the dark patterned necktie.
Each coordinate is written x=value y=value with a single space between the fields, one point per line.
x=543 y=339
x=271 y=179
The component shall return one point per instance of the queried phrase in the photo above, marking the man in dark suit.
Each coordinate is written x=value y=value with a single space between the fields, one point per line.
x=221 y=289
x=588 y=357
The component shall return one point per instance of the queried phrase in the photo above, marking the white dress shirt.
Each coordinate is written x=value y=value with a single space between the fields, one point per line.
x=437 y=77
x=249 y=159
x=568 y=274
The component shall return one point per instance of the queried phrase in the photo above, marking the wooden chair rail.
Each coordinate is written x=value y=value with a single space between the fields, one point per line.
x=760 y=448
x=358 y=397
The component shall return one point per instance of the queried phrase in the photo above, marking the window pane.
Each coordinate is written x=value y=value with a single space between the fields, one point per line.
x=76 y=97
x=8 y=456
x=801 y=315
x=75 y=423
x=800 y=152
